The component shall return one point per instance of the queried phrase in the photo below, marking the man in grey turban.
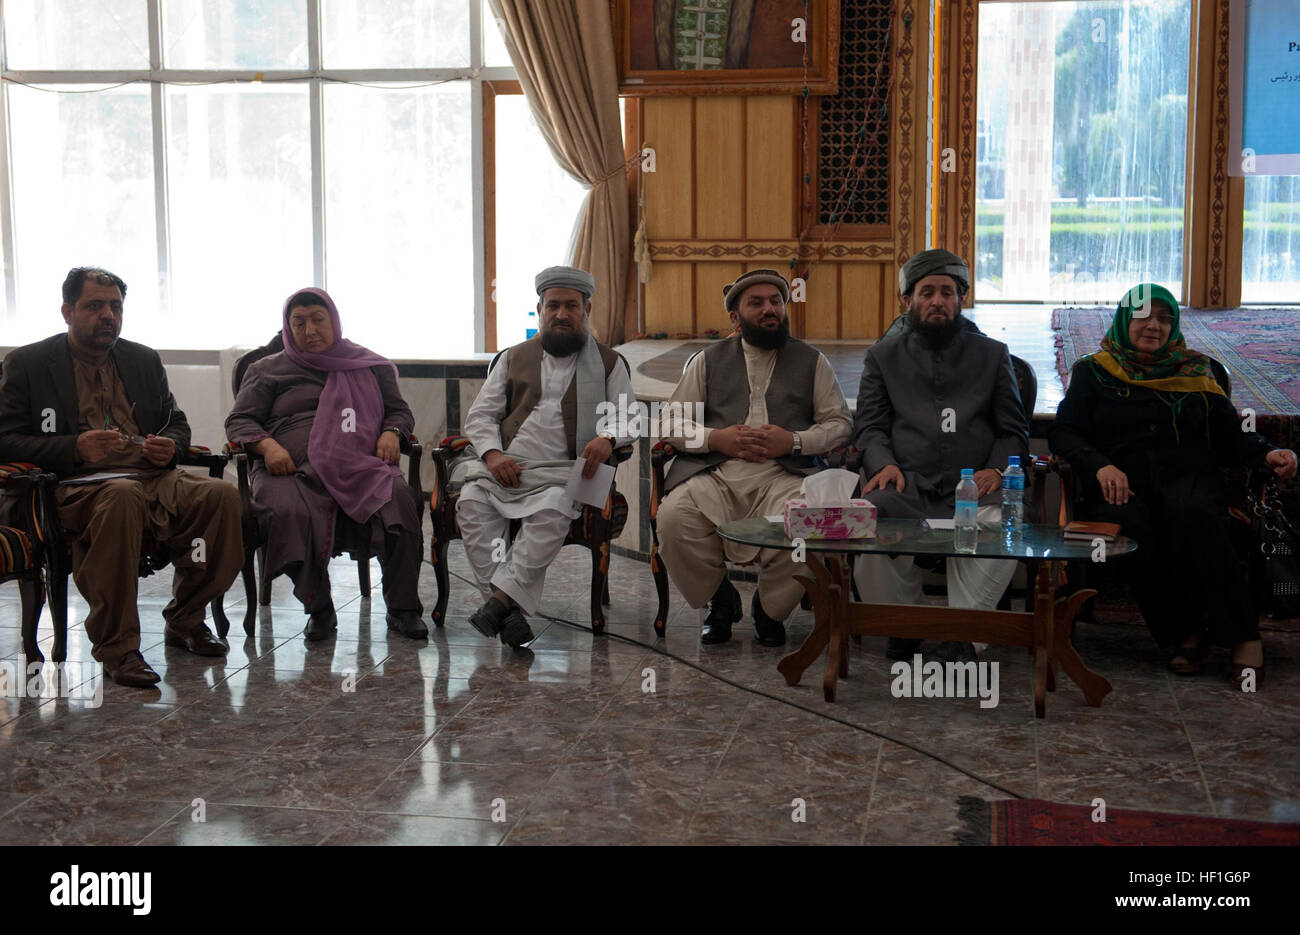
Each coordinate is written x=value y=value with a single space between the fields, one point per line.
x=935 y=399
x=537 y=413
x=933 y=263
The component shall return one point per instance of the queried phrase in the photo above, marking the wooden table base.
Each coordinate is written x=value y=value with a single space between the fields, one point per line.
x=1046 y=631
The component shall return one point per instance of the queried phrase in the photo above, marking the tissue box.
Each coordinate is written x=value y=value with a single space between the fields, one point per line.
x=854 y=520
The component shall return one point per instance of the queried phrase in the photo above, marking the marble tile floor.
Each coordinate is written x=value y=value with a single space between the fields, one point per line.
x=371 y=738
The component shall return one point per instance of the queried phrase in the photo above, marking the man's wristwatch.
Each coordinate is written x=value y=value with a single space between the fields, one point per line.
x=796 y=446
x=608 y=436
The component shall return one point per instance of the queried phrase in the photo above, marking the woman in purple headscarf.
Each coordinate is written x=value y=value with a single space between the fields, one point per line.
x=326 y=416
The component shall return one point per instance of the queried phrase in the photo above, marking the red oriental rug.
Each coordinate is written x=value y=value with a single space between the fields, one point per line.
x=1259 y=346
x=1034 y=821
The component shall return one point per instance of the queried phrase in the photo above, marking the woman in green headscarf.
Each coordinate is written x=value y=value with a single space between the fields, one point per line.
x=1147 y=428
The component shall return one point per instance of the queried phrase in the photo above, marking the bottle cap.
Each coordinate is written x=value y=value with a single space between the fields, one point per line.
x=1013 y=461
x=967 y=472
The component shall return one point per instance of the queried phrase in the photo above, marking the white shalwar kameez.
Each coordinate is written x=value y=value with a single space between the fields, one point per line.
x=484 y=519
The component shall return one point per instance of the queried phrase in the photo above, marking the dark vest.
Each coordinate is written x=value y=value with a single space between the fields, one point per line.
x=789 y=401
x=524 y=390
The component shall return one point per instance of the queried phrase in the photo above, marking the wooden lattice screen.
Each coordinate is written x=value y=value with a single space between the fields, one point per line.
x=853 y=125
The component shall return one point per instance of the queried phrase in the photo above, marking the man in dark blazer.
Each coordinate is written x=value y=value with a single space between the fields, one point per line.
x=934 y=399
x=85 y=403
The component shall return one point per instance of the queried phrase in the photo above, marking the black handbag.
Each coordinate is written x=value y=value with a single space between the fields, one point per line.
x=1276 y=572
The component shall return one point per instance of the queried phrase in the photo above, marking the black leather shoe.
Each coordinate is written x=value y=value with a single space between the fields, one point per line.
x=489 y=618
x=199 y=641
x=902 y=650
x=724 y=610
x=953 y=651
x=408 y=623
x=767 y=631
x=321 y=624
x=515 y=631
x=133 y=672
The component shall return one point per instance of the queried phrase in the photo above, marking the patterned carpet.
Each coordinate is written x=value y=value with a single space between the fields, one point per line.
x=1037 y=822
x=1259 y=346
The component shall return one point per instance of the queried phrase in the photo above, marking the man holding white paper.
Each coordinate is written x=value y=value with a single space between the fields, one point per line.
x=536 y=418
x=770 y=402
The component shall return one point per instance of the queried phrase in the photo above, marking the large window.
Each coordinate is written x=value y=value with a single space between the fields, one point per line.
x=1270 y=240
x=1083 y=141
x=219 y=155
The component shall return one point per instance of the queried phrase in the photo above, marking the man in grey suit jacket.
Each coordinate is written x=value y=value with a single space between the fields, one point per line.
x=933 y=400
x=84 y=403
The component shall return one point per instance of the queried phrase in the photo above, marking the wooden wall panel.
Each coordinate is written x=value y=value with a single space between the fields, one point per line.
x=670 y=294
x=709 y=280
x=819 y=316
x=770 y=167
x=669 y=129
x=719 y=178
x=725 y=196
x=863 y=298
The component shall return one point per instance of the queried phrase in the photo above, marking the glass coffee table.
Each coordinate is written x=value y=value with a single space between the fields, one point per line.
x=1045 y=628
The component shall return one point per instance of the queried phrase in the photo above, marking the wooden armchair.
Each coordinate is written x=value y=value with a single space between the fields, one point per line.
x=22 y=552
x=594 y=529
x=56 y=554
x=349 y=538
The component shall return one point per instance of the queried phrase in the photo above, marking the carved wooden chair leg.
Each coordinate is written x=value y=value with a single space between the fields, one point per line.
x=57 y=584
x=660 y=575
x=33 y=599
x=363 y=573
x=249 y=574
x=438 y=557
x=264 y=591
x=219 y=617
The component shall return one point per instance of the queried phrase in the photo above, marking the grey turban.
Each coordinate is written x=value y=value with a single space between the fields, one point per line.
x=933 y=263
x=566 y=277
x=732 y=291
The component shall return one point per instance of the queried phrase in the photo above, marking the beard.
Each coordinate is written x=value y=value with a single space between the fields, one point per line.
x=760 y=337
x=561 y=343
x=935 y=334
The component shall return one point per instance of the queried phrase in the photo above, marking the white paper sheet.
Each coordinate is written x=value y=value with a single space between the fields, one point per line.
x=592 y=492
x=940 y=523
x=778 y=518
x=96 y=478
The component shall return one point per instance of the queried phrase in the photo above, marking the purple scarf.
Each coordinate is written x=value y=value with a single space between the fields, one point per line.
x=341 y=447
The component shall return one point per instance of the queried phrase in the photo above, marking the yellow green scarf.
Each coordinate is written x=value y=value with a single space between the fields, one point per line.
x=1173 y=368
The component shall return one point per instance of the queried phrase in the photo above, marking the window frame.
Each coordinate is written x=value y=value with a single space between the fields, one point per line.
x=477 y=75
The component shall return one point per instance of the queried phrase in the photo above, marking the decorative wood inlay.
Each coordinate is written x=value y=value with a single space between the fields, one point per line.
x=902 y=136
x=1218 y=246
x=733 y=250
x=966 y=164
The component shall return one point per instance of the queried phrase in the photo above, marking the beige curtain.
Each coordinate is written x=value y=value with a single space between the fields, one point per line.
x=563 y=51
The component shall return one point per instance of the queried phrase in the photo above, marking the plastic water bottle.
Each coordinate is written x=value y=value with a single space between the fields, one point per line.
x=530 y=329
x=965 y=519
x=1013 y=499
